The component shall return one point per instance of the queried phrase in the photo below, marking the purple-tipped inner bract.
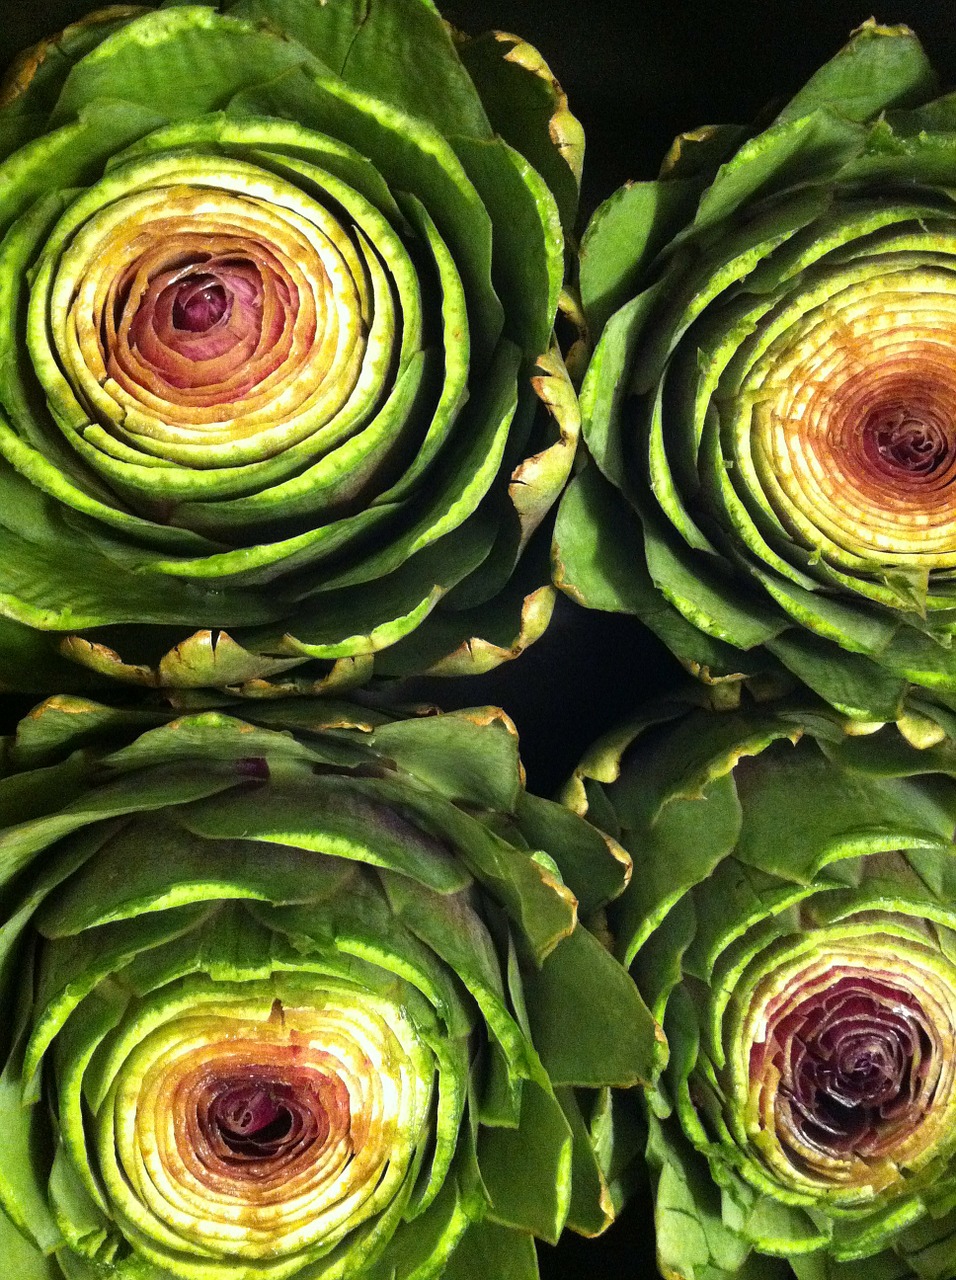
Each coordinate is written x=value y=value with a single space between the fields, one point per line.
x=262 y=1118
x=856 y=1069
x=200 y=302
x=907 y=441
x=855 y=1060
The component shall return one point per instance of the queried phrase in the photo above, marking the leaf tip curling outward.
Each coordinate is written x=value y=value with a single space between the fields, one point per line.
x=26 y=64
x=727 y=301
x=564 y=128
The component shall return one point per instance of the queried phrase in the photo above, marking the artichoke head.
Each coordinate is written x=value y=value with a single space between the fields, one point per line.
x=277 y=300
x=305 y=996
x=770 y=406
x=790 y=923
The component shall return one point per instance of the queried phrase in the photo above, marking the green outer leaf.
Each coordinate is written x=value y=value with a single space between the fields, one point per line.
x=488 y=1248
x=178 y=62
x=686 y=280
x=691 y=1236
x=410 y=127
x=60 y=724
x=622 y=238
x=136 y=794
x=580 y=980
x=688 y=837
x=333 y=816
x=880 y=68
x=525 y=214
x=459 y=937
x=471 y=757
x=851 y=683
x=36 y=75
x=599 y=562
x=592 y=1208
x=26 y=1153
x=832 y=815
x=422 y=73
x=421 y=1248
x=24 y=1259
x=72 y=967
x=526 y=106
x=593 y=867
x=179 y=873
x=527 y=1170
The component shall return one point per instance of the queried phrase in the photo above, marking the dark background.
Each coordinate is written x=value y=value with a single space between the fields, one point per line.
x=637 y=72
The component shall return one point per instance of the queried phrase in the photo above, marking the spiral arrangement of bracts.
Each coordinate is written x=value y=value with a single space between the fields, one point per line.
x=287 y=995
x=803 y=975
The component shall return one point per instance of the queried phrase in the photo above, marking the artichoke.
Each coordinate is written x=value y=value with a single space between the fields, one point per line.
x=770 y=407
x=791 y=924
x=278 y=380
x=301 y=998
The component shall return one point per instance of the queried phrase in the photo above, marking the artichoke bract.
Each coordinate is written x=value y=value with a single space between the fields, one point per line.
x=301 y=998
x=790 y=922
x=278 y=380
x=770 y=408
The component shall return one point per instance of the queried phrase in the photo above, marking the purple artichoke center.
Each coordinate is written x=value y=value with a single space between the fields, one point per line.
x=907 y=441
x=261 y=1118
x=853 y=1065
x=201 y=302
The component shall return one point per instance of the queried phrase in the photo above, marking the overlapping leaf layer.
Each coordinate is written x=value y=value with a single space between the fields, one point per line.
x=771 y=407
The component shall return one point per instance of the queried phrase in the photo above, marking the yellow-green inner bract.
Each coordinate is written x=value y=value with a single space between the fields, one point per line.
x=204 y=328
x=213 y=314
x=206 y=319
x=852 y=434
x=252 y=1129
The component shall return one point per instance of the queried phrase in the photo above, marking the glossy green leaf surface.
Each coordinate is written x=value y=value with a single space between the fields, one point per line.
x=790 y=923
